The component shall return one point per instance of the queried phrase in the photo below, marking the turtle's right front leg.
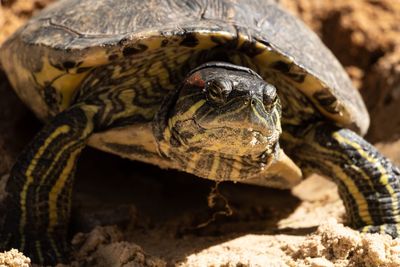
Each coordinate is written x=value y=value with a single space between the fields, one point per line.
x=36 y=208
x=368 y=182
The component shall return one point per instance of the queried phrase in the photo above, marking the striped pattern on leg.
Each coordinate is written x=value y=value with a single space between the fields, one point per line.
x=39 y=188
x=369 y=184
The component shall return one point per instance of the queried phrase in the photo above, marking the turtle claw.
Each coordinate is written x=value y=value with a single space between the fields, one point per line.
x=391 y=229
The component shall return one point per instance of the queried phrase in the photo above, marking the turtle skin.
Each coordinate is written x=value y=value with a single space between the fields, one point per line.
x=226 y=90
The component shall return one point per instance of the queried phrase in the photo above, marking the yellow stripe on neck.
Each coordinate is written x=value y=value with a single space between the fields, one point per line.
x=188 y=114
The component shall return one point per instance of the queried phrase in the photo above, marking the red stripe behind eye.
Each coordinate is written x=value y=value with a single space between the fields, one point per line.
x=196 y=80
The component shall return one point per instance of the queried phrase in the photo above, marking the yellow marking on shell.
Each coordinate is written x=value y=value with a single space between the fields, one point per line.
x=64 y=83
x=22 y=81
x=309 y=86
x=266 y=59
x=67 y=86
x=48 y=73
x=269 y=57
x=96 y=56
x=384 y=177
x=151 y=39
x=205 y=41
x=29 y=172
x=58 y=187
x=242 y=39
x=20 y=72
x=179 y=57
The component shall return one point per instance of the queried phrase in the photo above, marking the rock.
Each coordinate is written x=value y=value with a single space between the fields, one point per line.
x=14 y=258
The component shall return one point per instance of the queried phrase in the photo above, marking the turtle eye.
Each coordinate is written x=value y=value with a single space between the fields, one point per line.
x=269 y=96
x=217 y=91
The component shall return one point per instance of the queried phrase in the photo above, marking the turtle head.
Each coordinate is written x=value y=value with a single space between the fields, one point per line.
x=227 y=111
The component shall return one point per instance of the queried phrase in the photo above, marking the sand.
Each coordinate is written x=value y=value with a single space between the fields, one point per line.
x=131 y=214
x=14 y=258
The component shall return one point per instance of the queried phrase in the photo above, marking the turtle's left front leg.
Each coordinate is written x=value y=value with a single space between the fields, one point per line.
x=369 y=184
x=36 y=209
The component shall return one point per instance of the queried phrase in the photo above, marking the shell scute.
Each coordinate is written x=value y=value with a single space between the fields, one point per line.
x=63 y=45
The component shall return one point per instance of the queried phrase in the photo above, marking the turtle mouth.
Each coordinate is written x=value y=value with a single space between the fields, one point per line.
x=222 y=153
x=240 y=141
x=236 y=142
x=228 y=160
x=217 y=151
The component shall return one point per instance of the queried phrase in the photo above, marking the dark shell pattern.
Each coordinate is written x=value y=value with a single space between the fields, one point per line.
x=61 y=54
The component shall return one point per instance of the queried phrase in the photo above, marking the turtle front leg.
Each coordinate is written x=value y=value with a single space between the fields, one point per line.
x=36 y=210
x=369 y=184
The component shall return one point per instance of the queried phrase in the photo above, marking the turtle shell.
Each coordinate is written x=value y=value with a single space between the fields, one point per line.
x=48 y=58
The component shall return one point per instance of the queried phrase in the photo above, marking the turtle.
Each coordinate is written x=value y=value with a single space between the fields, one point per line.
x=228 y=90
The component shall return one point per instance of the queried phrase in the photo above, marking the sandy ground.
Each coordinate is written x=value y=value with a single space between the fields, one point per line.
x=131 y=214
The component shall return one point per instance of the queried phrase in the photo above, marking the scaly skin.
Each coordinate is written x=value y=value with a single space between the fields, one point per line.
x=39 y=188
x=369 y=184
